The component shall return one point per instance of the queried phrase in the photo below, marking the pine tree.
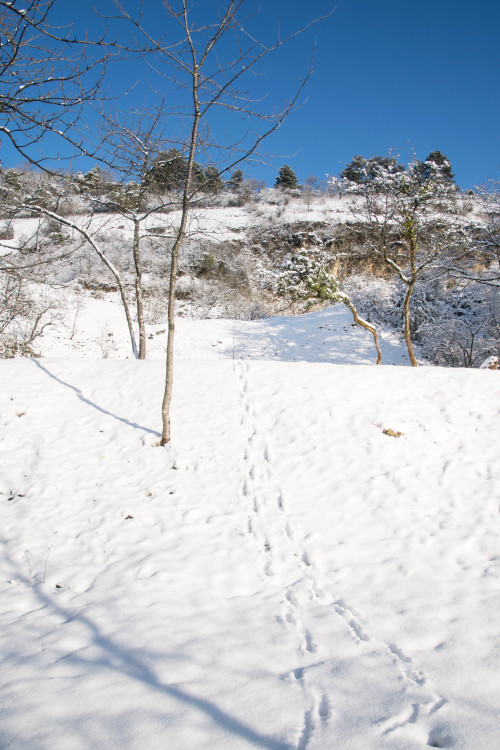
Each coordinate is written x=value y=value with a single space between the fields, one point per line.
x=355 y=171
x=286 y=179
x=234 y=182
x=361 y=171
x=168 y=170
x=437 y=167
x=212 y=182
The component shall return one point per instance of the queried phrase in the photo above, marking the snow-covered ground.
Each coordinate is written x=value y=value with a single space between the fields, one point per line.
x=286 y=575
x=96 y=328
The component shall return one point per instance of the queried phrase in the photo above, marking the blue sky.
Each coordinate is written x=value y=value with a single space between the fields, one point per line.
x=389 y=74
x=405 y=75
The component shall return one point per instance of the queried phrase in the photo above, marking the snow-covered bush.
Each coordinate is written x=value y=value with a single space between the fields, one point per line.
x=463 y=326
x=25 y=311
x=304 y=278
x=454 y=325
x=378 y=299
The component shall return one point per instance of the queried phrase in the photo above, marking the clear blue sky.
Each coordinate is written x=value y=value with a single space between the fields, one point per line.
x=389 y=74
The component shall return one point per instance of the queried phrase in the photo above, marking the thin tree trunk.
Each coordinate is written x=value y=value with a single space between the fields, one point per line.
x=406 y=309
x=169 y=376
x=218 y=87
x=138 y=291
x=411 y=235
x=364 y=324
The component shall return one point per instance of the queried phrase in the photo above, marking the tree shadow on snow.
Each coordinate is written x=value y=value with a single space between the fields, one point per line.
x=126 y=661
x=98 y=408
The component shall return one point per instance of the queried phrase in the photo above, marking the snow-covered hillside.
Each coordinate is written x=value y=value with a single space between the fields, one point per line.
x=96 y=329
x=260 y=259
x=312 y=564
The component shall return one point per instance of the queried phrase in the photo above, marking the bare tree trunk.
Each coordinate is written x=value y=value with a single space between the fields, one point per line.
x=210 y=91
x=364 y=324
x=138 y=291
x=169 y=376
x=411 y=236
x=406 y=310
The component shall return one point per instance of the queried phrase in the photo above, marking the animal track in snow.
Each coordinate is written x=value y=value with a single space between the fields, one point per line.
x=290 y=569
x=351 y=620
x=324 y=707
x=285 y=564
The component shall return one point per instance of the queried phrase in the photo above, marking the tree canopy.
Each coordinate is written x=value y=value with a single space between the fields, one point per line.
x=286 y=179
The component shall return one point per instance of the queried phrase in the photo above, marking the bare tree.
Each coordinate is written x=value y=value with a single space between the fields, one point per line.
x=38 y=197
x=132 y=146
x=489 y=243
x=208 y=63
x=23 y=316
x=310 y=190
x=47 y=77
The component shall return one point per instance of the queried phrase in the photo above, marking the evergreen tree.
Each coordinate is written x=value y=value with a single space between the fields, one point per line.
x=168 y=170
x=91 y=182
x=361 y=171
x=355 y=171
x=234 y=182
x=212 y=182
x=437 y=167
x=286 y=179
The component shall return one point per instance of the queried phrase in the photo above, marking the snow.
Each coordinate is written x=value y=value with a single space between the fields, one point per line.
x=327 y=336
x=285 y=575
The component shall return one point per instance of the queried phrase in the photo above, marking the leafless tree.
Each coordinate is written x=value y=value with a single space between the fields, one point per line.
x=40 y=197
x=132 y=145
x=47 y=77
x=310 y=190
x=209 y=64
x=23 y=316
x=481 y=260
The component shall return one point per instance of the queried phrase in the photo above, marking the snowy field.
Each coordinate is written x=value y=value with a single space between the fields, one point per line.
x=285 y=575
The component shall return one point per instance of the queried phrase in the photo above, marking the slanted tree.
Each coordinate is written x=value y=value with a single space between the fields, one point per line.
x=49 y=76
x=286 y=179
x=28 y=198
x=134 y=146
x=305 y=278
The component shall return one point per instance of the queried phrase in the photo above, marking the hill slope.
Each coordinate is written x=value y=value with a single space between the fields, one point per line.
x=285 y=575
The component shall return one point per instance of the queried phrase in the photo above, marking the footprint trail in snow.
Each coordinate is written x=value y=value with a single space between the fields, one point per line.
x=329 y=640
